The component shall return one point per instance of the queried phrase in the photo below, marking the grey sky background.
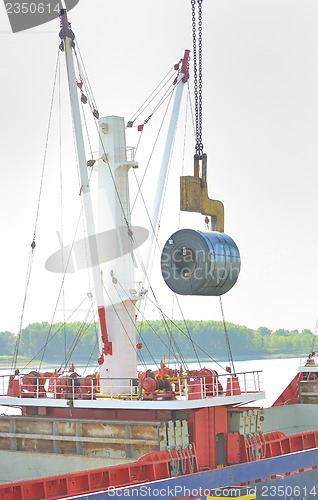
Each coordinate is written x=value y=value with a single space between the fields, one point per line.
x=260 y=133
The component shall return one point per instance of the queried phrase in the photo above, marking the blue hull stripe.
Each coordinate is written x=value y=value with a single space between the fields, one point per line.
x=197 y=484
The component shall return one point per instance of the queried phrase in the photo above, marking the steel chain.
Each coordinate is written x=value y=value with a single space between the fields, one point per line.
x=191 y=460
x=256 y=448
x=179 y=462
x=264 y=450
x=200 y=145
x=183 y=461
x=195 y=77
x=173 y=464
x=197 y=73
x=249 y=449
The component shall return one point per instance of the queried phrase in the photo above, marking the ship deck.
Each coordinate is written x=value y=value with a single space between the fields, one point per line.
x=107 y=403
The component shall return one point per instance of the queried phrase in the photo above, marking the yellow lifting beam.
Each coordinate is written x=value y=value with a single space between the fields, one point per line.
x=194 y=195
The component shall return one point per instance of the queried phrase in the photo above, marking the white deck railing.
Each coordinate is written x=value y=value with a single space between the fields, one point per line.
x=185 y=388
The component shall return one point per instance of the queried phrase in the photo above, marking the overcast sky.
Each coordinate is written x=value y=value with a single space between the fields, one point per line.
x=260 y=132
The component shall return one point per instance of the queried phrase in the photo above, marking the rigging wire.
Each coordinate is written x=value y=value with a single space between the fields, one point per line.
x=46 y=147
x=189 y=333
x=191 y=108
x=31 y=256
x=147 y=102
x=199 y=145
x=84 y=78
x=64 y=277
x=54 y=334
x=172 y=311
x=48 y=339
x=125 y=218
x=156 y=237
x=89 y=360
x=139 y=186
x=147 y=166
x=139 y=140
x=159 y=337
x=173 y=341
x=179 y=214
x=145 y=344
x=197 y=76
x=159 y=219
x=227 y=339
x=62 y=282
x=82 y=330
x=61 y=197
x=197 y=345
x=33 y=244
x=174 y=354
x=136 y=249
x=161 y=101
x=179 y=217
x=82 y=203
x=87 y=85
x=122 y=324
x=17 y=343
x=88 y=90
x=130 y=233
x=156 y=232
x=94 y=323
x=61 y=291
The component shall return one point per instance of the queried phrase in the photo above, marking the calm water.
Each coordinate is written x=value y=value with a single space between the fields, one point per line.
x=275 y=376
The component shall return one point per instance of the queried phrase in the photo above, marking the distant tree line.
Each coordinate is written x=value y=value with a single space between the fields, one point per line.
x=160 y=339
x=53 y=343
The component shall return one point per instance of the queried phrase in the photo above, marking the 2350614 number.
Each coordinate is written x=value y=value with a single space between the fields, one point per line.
x=31 y=8
x=288 y=491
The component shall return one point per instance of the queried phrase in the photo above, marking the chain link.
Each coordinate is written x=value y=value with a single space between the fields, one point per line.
x=191 y=458
x=197 y=73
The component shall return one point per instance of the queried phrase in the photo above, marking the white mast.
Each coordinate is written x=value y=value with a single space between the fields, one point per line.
x=67 y=37
x=183 y=78
x=120 y=289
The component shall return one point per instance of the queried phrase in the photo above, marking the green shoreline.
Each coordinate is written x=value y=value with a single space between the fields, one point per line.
x=6 y=361
x=205 y=338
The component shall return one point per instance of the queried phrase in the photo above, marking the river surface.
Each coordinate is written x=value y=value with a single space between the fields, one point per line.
x=274 y=377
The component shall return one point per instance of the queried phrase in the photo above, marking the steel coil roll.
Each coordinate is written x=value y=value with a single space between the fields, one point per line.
x=200 y=263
